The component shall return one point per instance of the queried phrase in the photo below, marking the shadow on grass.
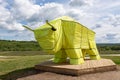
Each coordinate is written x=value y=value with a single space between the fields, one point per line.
x=19 y=74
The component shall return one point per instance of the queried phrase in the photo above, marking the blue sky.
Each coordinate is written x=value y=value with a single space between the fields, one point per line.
x=102 y=16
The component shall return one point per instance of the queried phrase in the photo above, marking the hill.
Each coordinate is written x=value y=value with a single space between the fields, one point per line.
x=8 y=45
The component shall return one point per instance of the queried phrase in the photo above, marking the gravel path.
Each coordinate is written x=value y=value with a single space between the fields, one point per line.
x=111 y=75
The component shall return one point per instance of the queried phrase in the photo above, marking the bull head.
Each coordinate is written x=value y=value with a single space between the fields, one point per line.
x=52 y=27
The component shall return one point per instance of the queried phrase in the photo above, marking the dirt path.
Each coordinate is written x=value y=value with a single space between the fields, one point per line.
x=110 y=54
x=4 y=58
x=111 y=75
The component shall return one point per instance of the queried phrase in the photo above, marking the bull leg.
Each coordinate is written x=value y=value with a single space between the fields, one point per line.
x=75 y=56
x=93 y=54
x=60 y=57
x=84 y=53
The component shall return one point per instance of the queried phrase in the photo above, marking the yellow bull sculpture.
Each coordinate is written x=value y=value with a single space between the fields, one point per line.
x=67 y=38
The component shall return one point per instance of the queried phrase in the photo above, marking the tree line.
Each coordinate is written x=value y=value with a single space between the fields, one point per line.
x=7 y=45
x=12 y=45
x=109 y=46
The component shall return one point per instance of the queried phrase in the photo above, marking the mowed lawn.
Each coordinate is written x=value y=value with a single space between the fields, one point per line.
x=11 y=61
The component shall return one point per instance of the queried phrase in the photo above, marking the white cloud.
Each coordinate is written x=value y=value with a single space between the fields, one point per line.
x=6 y=19
x=108 y=29
x=52 y=10
x=28 y=12
x=79 y=3
x=3 y=3
x=24 y=9
x=99 y=16
x=104 y=19
x=75 y=13
x=33 y=13
x=4 y=14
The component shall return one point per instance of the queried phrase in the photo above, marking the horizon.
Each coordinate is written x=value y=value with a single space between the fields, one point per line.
x=36 y=41
x=103 y=17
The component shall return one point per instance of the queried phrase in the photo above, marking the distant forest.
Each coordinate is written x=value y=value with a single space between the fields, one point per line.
x=7 y=45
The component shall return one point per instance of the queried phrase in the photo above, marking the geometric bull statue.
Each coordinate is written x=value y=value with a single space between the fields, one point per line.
x=66 y=38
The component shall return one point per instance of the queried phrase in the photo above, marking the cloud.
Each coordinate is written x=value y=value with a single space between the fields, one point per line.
x=114 y=20
x=6 y=19
x=107 y=30
x=104 y=20
x=3 y=3
x=24 y=9
x=26 y=12
x=33 y=13
x=52 y=10
x=110 y=36
x=48 y=11
x=75 y=13
x=97 y=26
x=79 y=3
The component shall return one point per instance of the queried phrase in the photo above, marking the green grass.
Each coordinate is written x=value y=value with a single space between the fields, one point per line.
x=21 y=53
x=20 y=62
x=17 y=63
x=110 y=52
x=116 y=59
x=14 y=64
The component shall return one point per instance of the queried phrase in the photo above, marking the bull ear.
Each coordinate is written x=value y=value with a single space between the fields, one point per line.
x=53 y=28
x=27 y=28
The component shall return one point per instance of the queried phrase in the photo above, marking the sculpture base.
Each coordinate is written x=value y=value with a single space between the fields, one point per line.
x=90 y=66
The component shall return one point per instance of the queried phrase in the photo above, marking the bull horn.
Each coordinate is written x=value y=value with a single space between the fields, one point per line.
x=27 y=28
x=53 y=28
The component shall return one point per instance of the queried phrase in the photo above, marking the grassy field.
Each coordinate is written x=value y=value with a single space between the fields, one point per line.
x=21 y=53
x=110 y=52
x=116 y=59
x=19 y=62
x=8 y=64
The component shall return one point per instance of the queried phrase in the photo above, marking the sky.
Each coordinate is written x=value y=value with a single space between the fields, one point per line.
x=101 y=16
